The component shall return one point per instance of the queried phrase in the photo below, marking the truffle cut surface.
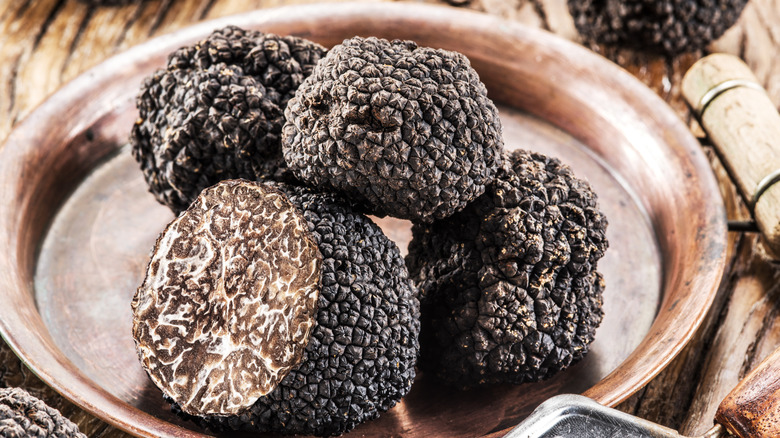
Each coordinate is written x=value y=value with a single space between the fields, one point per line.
x=229 y=298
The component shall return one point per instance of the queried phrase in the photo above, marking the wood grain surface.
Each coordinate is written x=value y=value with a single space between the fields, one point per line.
x=45 y=43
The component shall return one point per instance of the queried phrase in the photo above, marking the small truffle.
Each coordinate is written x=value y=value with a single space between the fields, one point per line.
x=360 y=360
x=509 y=286
x=667 y=26
x=24 y=416
x=409 y=131
x=229 y=299
x=216 y=112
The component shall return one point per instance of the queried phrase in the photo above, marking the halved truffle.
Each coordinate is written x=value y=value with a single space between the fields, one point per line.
x=229 y=299
x=409 y=131
x=361 y=356
x=668 y=26
x=216 y=112
x=206 y=290
x=510 y=291
x=24 y=416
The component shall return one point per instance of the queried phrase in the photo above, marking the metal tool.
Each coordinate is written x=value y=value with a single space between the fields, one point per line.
x=569 y=415
x=751 y=410
x=744 y=126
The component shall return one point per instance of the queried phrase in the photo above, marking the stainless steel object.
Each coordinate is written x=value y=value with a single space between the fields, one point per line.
x=570 y=416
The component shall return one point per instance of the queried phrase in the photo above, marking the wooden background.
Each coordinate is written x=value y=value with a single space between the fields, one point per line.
x=45 y=43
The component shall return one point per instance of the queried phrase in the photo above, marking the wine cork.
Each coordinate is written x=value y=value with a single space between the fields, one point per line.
x=744 y=126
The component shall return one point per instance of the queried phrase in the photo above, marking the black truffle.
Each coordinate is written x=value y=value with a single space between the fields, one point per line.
x=407 y=130
x=509 y=286
x=24 y=416
x=363 y=347
x=229 y=298
x=216 y=112
x=667 y=26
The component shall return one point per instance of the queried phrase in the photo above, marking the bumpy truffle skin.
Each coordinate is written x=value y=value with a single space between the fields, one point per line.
x=667 y=26
x=509 y=286
x=216 y=112
x=407 y=130
x=24 y=416
x=229 y=298
x=363 y=349
x=280 y=63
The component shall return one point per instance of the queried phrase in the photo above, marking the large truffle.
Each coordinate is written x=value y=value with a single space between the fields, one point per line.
x=363 y=349
x=24 y=416
x=407 y=130
x=229 y=298
x=669 y=26
x=216 y=112
x=509 y=285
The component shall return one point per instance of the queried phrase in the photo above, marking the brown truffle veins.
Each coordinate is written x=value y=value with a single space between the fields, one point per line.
x=229 y=298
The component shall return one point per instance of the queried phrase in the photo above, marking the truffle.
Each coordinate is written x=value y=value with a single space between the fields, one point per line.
x=510 y=291
x=363 y=348
x=667 y=26
x=24 y=416
x=229 y=298
x=408 y=131
x=216 y=112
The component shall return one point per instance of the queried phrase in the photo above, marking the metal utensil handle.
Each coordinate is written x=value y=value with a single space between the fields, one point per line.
x=744 y=126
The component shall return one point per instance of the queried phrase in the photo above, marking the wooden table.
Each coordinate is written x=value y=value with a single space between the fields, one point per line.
x=45 y=43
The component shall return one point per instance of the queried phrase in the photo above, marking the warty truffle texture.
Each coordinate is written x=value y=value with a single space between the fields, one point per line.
x=509 y=287
x=216 y=112
x=409 y=131
x=280 y=63
x=666 y=26
x=24 y=416
x=363 y=348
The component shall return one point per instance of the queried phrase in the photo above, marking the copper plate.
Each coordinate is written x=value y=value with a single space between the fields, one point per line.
x=77 y=224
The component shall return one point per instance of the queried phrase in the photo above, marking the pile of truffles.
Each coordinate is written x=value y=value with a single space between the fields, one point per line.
x=272 y=303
